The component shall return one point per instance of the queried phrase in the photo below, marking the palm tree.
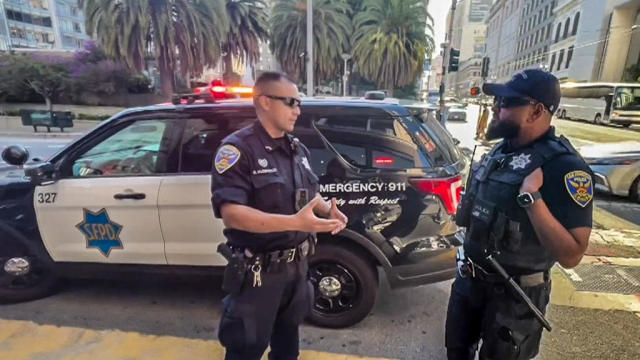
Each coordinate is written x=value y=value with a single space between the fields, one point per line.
x=390 y=41
x=248 y=26
x=180 y=34
x=331 y=31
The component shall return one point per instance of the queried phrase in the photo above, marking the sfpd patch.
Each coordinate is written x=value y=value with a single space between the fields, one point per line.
x=100 y=231
x=226 y=157
x=579 y=186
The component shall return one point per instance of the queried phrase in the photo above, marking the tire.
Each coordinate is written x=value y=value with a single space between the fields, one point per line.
x=634 y=192
x=598 y=119
x=39 y=282
x=358 y=279
x=626 y=125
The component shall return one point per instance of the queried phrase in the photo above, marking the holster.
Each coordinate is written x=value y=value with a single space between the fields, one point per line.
x=235 y=271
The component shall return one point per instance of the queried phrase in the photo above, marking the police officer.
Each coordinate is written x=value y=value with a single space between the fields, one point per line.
x=267 y=195
x=528 y=205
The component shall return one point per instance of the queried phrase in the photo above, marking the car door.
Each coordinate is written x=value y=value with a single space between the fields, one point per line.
x=104 y=208
x=191 y=231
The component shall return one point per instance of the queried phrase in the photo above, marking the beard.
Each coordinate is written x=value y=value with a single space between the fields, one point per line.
x=502 y=129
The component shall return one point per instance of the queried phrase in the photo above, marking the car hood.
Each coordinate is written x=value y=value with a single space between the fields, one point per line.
x=12 y=175
x=609 y=150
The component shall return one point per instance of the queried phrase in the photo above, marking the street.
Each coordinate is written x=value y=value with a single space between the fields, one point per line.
x=183 y=313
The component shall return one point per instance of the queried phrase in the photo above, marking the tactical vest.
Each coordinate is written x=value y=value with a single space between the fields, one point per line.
x=497 y=224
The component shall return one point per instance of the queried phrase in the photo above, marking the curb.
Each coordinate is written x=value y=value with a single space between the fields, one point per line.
x=21 y=134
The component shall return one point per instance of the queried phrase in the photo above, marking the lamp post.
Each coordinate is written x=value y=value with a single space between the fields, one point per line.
x=345 y=76
x=309 y=47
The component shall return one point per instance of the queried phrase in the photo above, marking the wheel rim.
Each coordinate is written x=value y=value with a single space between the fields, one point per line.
x=336 y=289
x=34 y=276
x=598 y=119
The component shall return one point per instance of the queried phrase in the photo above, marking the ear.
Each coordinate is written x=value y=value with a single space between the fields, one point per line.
x=537 y=113
x=263 y=102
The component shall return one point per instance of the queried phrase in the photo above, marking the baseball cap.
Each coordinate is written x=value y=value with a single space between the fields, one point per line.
x=536 y=84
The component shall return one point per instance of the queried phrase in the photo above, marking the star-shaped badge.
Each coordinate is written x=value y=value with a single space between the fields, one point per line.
x=520 y=162
x=100 y=231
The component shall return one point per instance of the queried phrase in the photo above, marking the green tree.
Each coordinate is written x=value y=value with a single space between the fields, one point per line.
x=632 y=73
x=182 y=35
x=390 y=41
x=248 y=26
x=331 y=31
x=21 y=71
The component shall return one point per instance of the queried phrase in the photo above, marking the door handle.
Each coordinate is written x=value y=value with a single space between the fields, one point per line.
x=133 y=196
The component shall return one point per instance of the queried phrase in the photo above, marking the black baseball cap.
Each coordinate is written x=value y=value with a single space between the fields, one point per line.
x=536 y=84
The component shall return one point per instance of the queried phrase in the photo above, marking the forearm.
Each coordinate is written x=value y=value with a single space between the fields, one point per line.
x=553 y=236
x=245 y=218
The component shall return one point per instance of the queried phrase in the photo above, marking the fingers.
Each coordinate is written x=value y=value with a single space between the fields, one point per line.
x=334 y=204
x=326 y=225
x=338 y=229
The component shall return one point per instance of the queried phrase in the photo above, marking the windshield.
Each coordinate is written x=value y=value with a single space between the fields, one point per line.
x=627 y=98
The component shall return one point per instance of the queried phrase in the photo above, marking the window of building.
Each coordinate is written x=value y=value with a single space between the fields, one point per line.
x=560 y=59
x=576 y=20
x=558 y=29
x=569 y=56
x=553 y=62
x=566 y=28
x=540 y=16
x=546 y=11
x=76 y=27
x=548 y=31
x=535 y=41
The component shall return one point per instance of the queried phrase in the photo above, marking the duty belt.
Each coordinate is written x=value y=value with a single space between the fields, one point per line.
x=479 y=273
x=295 y=254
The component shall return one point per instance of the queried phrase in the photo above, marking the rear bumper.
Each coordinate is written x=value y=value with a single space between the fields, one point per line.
x=425 y=266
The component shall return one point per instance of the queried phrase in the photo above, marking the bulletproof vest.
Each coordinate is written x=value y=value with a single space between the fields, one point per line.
x=497 y=223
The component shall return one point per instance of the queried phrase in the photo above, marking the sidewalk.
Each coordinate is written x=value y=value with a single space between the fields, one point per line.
x=11 y=126
x=76 y=109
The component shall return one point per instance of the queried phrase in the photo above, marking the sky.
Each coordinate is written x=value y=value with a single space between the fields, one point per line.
x=438 y=9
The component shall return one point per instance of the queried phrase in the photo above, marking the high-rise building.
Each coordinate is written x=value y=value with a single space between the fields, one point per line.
x=534 y=34
x=503 y=24
x=41 y=24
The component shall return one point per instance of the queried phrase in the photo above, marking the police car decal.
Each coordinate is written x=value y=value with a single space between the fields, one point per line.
x=100 y=231
x=579 y=186
x=226 y=157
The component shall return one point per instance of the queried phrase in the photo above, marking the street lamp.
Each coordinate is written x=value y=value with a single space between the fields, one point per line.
x=345 y=76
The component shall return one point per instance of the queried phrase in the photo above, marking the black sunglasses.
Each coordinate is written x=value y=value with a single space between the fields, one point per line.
x=289 y=101
x=511 y=102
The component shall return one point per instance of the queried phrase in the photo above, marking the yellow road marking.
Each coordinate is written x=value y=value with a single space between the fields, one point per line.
x=30 y=341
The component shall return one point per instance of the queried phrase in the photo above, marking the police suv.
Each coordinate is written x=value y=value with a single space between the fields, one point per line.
x=134 y=195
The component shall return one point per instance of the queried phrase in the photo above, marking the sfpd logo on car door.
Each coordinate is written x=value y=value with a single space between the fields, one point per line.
x=100 y=231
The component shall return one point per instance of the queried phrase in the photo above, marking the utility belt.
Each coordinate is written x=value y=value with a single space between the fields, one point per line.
x=468 y=268
x=242 y=260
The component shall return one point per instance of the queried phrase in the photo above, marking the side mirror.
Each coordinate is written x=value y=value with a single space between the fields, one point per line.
x=15 y=155
x=41 y=174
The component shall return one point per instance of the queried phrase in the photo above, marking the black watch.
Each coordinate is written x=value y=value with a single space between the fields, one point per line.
x=525 y=199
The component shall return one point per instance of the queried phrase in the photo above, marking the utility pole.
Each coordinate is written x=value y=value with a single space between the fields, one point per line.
x=445 y=56
x=345 y=76
x=309 y=47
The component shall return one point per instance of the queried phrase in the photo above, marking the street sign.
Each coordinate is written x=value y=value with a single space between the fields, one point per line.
x=427 y=65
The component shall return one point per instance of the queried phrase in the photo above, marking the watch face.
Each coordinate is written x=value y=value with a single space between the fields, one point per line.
x=525 y=199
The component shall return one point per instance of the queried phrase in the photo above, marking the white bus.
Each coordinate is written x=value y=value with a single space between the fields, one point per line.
x=601 y=103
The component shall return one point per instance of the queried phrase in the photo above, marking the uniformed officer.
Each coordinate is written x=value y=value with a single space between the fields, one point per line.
x=529 y=205
x=267 y=195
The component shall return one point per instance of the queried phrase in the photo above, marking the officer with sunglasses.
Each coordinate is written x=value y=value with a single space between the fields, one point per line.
x=527 y=206
x=267 y=195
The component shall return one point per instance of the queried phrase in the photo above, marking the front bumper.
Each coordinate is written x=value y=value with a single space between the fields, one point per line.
x=615 y=179
x=433 y=261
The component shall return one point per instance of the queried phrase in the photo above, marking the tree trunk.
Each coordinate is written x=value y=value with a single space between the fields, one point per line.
x=228 y=69
x=47 y=100
x=166 y=78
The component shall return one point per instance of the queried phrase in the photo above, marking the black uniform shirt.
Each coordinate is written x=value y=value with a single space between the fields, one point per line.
x=253 y=169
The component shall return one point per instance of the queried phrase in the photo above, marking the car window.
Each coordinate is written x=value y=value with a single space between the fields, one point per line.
x=437 y=140
x=373 y=141
x=203 y=135
x=134 y=150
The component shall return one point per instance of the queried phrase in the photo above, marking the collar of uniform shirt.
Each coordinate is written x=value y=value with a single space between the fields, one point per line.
x=267 y=140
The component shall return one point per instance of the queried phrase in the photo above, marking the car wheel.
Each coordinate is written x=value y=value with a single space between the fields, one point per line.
x=626 y=125
x=634 y=192
x=345 y=284
x=24 y=276
x=598 y=119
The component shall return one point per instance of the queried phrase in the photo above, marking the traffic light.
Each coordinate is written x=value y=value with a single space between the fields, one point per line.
x=485 y=67
x=475 y=91
x=454 y=59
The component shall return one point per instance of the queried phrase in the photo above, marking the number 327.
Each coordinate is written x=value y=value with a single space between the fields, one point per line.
x=47 y=198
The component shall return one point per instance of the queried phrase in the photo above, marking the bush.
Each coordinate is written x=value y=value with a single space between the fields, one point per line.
x=81 y=116
x=139 y=84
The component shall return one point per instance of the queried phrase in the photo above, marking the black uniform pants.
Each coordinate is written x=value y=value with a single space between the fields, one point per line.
x=270 y=314
x=488 y=311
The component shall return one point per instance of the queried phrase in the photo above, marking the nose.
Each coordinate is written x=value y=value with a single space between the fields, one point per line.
x=296 y=110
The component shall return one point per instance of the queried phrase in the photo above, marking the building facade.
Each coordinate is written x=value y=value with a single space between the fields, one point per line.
x=534 y=35
x=41 y=25
x=503 y=25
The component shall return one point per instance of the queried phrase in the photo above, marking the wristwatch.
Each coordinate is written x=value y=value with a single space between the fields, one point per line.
x=525 y=199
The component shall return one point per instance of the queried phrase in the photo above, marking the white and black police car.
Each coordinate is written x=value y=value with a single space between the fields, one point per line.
x=133 y=195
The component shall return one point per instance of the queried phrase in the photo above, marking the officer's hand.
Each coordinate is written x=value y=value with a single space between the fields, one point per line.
x=533 y=182
x=307 y=221
x=336 y=214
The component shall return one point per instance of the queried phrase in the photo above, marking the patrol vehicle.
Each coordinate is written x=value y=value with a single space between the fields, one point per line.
x=133 y=195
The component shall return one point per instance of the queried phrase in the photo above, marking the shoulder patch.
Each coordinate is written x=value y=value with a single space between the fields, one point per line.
x=226 y=157
x=579 y=186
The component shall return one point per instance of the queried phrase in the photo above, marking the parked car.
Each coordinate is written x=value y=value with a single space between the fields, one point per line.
x=456 y=112
x=134 y=194
x=616 y=167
